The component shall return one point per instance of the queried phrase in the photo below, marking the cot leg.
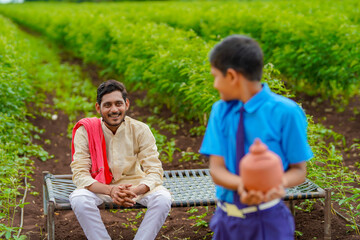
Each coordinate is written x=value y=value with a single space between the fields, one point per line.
x=292 y=208
x=327 y=223
x=45 y=200
x=50 y=221
x=45 y=193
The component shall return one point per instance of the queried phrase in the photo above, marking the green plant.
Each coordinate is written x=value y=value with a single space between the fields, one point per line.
x=192 y=210
x=35 y=193
x=306 y=205
x=357 y=164
x=199 y=219
x=140 y=213
x=197 y=131
x=298 y=233
x=132 y=224
x=328 y=171
x=188 y=156
x=126 y=225
x=171 y=127
x=169 y=150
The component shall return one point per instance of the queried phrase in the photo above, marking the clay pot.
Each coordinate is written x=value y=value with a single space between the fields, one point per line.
x=261 y=169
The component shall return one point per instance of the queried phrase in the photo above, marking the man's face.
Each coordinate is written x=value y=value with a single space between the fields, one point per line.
x=223 y=84
x=113 y=109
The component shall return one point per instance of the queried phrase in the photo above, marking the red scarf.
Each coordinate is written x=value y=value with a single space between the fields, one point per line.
x=99 y=166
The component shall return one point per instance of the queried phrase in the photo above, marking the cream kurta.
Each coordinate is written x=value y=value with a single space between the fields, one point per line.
x=131 y=153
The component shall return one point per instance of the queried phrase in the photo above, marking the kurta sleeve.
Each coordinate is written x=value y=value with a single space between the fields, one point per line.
x=81 y=164
x=149 y=159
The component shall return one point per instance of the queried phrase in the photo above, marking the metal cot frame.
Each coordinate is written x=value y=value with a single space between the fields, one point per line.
x=187 y=187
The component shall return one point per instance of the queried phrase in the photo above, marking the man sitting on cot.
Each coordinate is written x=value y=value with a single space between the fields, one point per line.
x=115 y=159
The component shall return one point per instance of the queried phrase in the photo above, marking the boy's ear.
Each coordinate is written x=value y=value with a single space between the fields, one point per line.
x=233 y=75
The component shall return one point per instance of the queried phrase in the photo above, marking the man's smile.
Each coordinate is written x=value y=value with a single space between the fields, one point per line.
x=114 y=115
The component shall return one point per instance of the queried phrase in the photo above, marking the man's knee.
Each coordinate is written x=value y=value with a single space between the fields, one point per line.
x=162 y=199
x=82 y=199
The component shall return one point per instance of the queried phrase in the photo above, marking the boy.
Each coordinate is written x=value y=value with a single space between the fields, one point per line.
x=249 y=110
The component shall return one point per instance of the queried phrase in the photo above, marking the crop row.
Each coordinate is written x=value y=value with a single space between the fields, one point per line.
x=171 y=64
x=15 y=130
x=315 y=44
x=29 y=69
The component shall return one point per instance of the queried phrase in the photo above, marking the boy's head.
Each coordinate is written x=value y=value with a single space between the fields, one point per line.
x=240 y=53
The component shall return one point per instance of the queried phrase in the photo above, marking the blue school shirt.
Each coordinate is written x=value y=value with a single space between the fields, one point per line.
x=279 y=122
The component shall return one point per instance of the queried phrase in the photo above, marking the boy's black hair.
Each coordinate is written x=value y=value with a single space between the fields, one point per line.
x=241 y=53
x=108 y=87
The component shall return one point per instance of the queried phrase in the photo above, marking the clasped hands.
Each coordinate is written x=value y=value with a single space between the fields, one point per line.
x=123 y=195
x=254 y=197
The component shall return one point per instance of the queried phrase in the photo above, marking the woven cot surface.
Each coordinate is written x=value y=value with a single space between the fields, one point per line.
x=187 y=187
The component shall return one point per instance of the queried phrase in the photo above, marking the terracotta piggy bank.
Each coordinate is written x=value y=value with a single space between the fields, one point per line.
x=261 y=169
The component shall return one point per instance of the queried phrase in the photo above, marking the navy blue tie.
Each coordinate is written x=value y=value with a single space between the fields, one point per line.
x=240 y=140
x=240 y=151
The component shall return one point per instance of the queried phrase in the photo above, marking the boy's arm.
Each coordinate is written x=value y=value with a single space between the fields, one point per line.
x=221 y=176
x=294 y=176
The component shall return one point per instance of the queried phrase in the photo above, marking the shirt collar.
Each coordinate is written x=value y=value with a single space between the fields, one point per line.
x=256 y=101
x=107 y=130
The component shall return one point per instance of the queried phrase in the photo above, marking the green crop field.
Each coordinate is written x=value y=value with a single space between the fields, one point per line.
x=162 y=47
x=315 y=44
x=25 y=69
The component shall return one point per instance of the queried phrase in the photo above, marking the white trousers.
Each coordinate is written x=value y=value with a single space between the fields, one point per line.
x=84 y=204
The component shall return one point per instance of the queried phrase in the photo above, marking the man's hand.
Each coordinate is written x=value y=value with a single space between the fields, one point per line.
x=122 y=195
x=141 y=189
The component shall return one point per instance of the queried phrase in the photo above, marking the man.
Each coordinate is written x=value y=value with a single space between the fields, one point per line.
x=115 y=158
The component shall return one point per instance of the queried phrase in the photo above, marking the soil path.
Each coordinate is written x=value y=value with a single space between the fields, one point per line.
x=122 y=225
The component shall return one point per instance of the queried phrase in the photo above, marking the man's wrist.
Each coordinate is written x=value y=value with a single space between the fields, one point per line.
x=141 y=189
x=110 y=189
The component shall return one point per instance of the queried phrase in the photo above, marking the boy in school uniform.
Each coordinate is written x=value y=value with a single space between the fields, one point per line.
x=248 y=110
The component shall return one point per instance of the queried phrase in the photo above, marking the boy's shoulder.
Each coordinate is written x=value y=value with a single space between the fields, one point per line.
x=282 y=106
x=283 y=101
x=221 y=107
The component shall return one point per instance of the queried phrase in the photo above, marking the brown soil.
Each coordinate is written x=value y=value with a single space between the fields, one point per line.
x=120 y=225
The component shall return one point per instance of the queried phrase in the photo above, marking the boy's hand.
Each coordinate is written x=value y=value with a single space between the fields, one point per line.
x=278 y=192
x=250 y=198
x=254 y=197
x=275 y=193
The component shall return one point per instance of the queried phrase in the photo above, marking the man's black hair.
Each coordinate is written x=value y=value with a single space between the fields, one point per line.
x=108 y=87
x=241 y=53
